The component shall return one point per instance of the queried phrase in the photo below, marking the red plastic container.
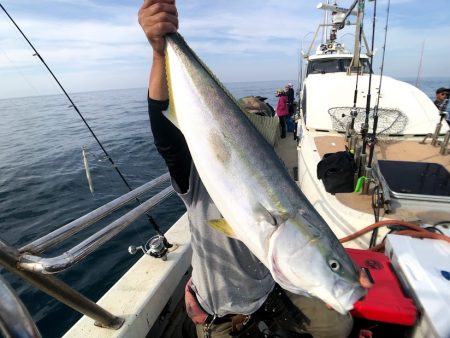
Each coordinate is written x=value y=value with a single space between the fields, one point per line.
x=385 y=301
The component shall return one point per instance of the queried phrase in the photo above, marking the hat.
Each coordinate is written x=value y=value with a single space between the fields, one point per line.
x=442 y=90
x=289 y=85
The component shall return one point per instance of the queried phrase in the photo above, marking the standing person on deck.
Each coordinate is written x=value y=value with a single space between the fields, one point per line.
x=231 y=290
x=282 y=110
x=441 y=102
x=291 y=97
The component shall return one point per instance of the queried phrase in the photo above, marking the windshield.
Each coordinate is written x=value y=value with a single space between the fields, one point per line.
x=334 y=66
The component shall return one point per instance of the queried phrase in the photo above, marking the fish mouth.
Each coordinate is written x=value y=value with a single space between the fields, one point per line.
x=345 y=302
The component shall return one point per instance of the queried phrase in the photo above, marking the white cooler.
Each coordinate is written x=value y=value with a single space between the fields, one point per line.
x=423 y=266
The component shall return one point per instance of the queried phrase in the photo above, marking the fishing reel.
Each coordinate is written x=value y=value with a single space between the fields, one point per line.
x=156 y=247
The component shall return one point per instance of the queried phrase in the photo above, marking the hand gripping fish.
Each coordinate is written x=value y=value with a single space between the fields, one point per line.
x=262 y=206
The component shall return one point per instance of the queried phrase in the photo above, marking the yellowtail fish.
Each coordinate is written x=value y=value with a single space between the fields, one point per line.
x=260 y=203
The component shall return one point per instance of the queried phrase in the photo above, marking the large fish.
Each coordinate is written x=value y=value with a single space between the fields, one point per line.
x=260 y=203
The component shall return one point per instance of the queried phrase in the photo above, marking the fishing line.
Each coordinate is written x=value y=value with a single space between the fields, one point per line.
x=149 y=217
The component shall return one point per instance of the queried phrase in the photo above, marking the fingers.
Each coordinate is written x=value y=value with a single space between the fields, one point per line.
x=148 y=3
x=157 y=18
x=364 y=279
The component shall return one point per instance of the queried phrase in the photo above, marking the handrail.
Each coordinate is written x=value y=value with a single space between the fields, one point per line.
x=64 y=232
x=15 y=320
x=35 y=269
x=56 y=288
x=77 y=253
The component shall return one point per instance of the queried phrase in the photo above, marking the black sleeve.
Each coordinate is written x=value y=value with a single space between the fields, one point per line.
x=170 y=143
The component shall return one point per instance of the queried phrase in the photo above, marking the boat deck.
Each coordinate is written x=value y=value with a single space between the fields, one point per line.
x=392 y=149
x=286 y=149
x=400 y=150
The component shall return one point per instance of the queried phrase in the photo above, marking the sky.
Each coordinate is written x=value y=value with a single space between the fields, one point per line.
x=98 y=44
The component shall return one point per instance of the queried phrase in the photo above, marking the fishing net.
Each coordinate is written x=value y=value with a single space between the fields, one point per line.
x=390 y=121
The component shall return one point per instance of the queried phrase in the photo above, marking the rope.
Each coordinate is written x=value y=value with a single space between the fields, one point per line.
x=414 y=230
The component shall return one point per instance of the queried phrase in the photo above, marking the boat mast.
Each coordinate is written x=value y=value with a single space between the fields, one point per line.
x=355 y=64
x=325 y=25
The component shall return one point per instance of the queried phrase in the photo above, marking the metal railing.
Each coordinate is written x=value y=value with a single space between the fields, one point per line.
x=36 y=269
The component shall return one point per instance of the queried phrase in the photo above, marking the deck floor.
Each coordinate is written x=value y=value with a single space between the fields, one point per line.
x=399 y=150
x=286 y=149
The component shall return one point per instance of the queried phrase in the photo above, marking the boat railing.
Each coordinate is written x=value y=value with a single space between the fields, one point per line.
x=36 y=270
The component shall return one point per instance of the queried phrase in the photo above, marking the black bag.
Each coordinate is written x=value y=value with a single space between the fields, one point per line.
x=337 y=170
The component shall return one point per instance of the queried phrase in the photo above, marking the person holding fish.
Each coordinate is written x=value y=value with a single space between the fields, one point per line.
x=254 y=274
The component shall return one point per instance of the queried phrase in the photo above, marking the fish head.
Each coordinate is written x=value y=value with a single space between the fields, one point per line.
x=306 y=259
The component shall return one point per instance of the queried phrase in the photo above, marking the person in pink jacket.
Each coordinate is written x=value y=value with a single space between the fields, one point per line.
x=282 y=110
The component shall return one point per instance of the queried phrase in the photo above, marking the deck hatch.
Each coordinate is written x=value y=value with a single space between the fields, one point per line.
x=416 y=180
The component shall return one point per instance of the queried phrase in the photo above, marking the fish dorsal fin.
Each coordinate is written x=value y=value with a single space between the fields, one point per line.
x=222 y=226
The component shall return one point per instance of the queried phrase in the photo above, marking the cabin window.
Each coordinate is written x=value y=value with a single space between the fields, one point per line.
x=364 y=62
x=324 y=66
x=334 y=66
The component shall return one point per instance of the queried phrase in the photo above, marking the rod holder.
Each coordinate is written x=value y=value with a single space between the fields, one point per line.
x=437 y=131
x=368 y=174
x=444 y=144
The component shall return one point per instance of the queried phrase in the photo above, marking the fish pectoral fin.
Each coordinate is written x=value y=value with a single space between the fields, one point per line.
x=273 y=218
x=222 y=226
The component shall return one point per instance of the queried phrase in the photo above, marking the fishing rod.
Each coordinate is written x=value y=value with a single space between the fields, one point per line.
x=374 y=235
x=74 y=106
x=351 y=134
x=376 y=108
x=365 y=126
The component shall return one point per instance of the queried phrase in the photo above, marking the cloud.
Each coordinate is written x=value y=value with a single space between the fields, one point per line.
x=241 y=41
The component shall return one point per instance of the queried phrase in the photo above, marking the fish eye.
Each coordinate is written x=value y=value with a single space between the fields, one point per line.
x=333 y=264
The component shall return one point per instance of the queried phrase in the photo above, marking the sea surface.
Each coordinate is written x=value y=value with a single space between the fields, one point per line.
x=43 y=183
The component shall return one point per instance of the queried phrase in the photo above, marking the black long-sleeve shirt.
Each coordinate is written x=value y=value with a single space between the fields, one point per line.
x=170 y=143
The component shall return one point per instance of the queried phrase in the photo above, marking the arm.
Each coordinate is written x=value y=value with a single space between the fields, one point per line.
x=158 y=18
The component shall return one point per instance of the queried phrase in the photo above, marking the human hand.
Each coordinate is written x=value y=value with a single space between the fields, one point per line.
x=157 y=18
x=364 y=279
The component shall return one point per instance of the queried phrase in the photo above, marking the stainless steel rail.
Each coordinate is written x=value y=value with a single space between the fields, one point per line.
x=64 y=232
x=35 y=269
x=15 y=320
x=58 y=289
x=78 y=252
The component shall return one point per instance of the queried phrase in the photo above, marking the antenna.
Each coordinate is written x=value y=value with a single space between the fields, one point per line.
x=419 y=70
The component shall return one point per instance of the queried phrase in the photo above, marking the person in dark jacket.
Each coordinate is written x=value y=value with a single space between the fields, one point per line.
x=441 y=102
x=291 y=97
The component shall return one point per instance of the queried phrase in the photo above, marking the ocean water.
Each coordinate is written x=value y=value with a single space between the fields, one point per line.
x=43 y=184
